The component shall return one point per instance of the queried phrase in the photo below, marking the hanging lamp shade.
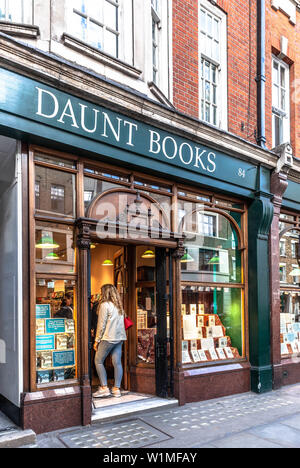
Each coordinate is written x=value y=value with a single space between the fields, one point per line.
x=46 y=242
x=187 y=258
x=93 y=246
x=148 y=254
x=107 y=263
x=52 y=256
x=215 y=260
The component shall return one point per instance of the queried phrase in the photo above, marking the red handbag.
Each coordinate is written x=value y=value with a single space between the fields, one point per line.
x=128 y=322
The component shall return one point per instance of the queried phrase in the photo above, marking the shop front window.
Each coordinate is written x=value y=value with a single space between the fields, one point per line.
x=56 y=317
x=289 y=268
x=54 y=248
x=212 y=285
x=55 y=191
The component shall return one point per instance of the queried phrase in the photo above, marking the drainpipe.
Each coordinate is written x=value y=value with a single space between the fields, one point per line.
x=261 y=73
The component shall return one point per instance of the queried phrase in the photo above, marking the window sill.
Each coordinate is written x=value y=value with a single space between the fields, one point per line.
x=102 y=57
x=20 y=30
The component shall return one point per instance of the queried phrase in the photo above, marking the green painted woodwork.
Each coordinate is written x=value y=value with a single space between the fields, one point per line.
x=29 y=108
x=260 y=217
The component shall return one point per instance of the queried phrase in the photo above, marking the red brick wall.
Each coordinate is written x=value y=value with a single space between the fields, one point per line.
x=277 y=25
x=241 y=24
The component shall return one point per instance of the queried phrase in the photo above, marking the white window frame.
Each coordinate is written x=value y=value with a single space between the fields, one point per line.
x=295 y=278
x=293 y=248
x=283 y=265
x=27 y=13
x=278 y=111
x=282 y=242
x=125 y=30
x=221 y=64
x=155 y=28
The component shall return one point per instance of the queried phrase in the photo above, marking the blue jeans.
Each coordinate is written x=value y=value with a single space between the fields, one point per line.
x=104 y=349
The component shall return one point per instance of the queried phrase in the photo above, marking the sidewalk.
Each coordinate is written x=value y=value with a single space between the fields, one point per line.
x=248 y=420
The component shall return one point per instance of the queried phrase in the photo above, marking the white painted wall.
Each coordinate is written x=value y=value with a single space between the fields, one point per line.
x=11 y=372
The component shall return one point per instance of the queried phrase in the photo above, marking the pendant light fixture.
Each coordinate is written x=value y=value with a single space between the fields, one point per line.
x=47 y=242
x=148 y=254
x=107 y=262
x=52 y=256
x=187 y=258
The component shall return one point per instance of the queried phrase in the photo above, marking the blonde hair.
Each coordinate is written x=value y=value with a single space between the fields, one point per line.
x=109 y=293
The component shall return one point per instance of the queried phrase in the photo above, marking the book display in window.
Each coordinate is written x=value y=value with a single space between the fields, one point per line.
x=55 y=347
x=289 y=335
x=205 y=339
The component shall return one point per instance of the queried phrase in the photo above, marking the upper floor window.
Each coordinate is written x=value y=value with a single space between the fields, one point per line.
x=156 y=25
x=280 y=102
x=97 y=23
x=213 y=65
x=16 y=11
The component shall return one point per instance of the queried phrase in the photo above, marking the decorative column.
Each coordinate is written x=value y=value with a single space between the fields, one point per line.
x=178 y=373
x=260 y=216
x=279 y=184
x=83 y=245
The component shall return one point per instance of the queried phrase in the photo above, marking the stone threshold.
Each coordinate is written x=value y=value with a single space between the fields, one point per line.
x=131 y=408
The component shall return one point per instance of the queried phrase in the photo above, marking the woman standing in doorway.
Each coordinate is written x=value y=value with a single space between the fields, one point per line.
x=109 y=339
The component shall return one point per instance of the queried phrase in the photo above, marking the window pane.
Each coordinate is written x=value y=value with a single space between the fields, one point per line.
x=56 y=324
x=111 y=43
x=94 y=9
x=289 y=322
x=212 y=324
x=95 y=35
x=54 y=250
x=110 y=16
x=59 y=201
x=56 y=161
x=212 y=253
x=17 y=11
x=79 y=25
x=94 y=187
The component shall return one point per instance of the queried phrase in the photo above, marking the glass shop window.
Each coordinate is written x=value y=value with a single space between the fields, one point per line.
x=54 y=252
x=290 y=291
x=56 y=325
x=212 y=287
x=55 y=193
x=211 y=253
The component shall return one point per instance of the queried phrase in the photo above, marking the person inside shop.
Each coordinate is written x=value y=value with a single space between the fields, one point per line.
x=109 y=339
x=66 y=309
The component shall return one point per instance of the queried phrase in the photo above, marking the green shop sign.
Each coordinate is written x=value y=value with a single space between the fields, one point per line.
x=36 y=109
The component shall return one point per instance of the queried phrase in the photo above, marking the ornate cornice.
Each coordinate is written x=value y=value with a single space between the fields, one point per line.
x=69 y=77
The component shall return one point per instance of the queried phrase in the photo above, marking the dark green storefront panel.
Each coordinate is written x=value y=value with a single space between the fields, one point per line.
x=36 y=109
x=292 y=196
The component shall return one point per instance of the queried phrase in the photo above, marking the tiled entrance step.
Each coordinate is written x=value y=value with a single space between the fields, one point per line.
x=130 y=404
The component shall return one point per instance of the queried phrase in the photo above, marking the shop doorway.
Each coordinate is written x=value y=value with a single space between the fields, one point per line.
x=143 y=277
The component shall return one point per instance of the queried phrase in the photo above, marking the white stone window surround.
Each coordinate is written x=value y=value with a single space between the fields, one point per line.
x=222 y=79
x=17 y=17
x=16 y=11
x=289 y=7
x=125 y=29
x=159 y=11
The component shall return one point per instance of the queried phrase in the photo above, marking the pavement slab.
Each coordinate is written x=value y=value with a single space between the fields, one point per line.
x=270 y=420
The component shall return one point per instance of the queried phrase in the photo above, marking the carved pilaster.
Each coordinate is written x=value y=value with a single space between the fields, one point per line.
x=260 y=217
x=279 y=184
x=83 y=235
x=179 y=251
